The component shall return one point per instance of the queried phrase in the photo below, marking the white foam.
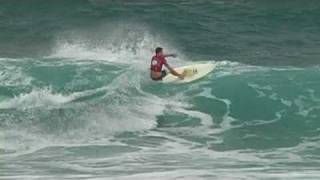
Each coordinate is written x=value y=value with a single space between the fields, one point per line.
x=227 y=118
x=124 y=107
x=173 y=174
x=228 y=68
x=36 y=98
x=118 y=42
x=304 y=105
x=205 y=118
x=22 y=140
x=128 y=112
x=11 y=75
x=263 y=91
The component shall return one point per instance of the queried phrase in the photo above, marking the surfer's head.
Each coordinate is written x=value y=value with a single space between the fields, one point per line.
x=159 y=50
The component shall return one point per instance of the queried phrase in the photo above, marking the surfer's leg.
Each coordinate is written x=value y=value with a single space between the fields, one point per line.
x=163 y=74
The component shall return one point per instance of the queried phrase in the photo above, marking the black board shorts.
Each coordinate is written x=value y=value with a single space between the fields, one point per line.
x=163 y=74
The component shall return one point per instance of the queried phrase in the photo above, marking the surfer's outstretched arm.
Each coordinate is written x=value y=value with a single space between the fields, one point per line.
x=170 y=55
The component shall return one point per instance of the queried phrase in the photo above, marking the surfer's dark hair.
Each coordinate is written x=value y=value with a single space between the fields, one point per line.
x=158 y=49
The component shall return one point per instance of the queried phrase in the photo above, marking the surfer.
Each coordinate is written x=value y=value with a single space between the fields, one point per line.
x=157 y=61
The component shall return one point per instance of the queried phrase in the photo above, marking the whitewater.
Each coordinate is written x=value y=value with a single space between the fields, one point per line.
x=76 y=100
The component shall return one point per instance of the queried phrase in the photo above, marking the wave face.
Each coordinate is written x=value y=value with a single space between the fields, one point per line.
x=76 y=101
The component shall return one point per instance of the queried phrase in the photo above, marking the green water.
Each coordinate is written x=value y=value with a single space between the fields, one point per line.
x=76 y=101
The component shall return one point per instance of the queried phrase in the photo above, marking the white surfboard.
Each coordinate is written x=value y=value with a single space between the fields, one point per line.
x=193 y=72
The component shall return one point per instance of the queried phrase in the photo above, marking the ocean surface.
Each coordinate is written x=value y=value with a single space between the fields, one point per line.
x=76 y=100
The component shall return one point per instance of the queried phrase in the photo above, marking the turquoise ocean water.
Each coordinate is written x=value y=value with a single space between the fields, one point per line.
x=76 y=101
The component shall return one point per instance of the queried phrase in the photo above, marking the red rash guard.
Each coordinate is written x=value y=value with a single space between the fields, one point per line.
x=157 y=62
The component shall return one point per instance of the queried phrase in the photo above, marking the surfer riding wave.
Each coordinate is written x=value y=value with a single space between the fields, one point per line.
x=157 y=62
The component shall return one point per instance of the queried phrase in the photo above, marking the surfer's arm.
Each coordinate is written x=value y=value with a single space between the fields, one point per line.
x=172 y=71
x=170 y=55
